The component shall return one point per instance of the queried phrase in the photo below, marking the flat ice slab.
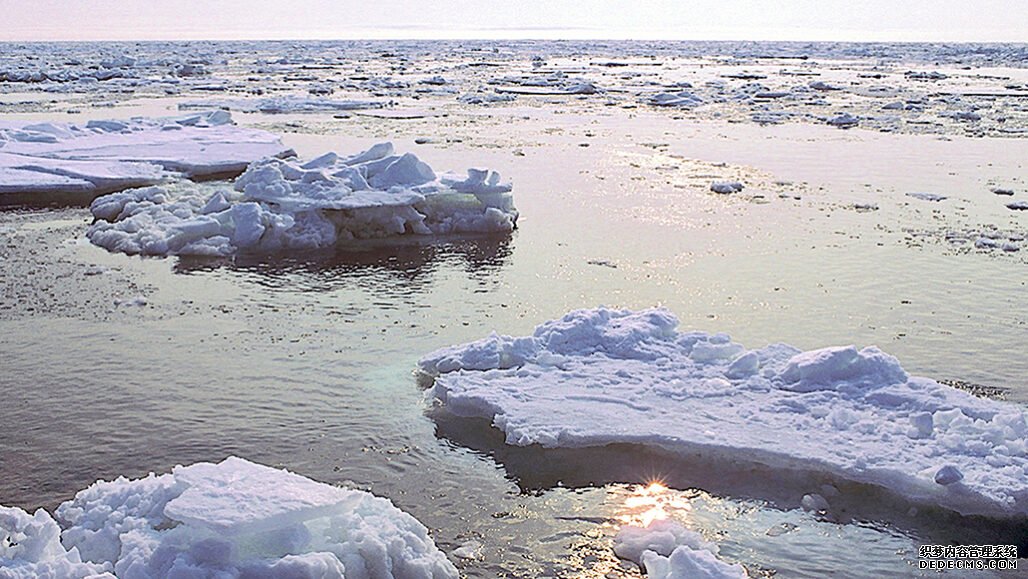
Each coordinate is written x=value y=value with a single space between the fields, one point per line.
x=230 y=519
x=597 y=377
x=279 y=205
x=86 y=160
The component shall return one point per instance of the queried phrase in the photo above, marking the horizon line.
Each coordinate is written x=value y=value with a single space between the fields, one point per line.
x=503 y=39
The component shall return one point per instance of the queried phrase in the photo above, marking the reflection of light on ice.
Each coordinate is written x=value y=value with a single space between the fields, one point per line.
x=650 y=503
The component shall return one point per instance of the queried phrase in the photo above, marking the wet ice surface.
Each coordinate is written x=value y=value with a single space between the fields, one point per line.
x=305 y=361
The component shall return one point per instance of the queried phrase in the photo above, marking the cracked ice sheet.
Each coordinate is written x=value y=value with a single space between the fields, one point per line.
x=234 y=518
x=104 y=156
x=597 y=377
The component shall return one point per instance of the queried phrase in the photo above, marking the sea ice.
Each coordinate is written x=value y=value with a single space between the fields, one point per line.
x=288 y=204
x=285 y=104
x=726 y=187
x=30 y=547
x=667 y=550
x=925 y=196
x=843 y=121
x=230 y=519
x=597 y=377
x=112 y=155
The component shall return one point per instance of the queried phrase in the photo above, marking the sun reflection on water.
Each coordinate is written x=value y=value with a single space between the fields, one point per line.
x=652 y=502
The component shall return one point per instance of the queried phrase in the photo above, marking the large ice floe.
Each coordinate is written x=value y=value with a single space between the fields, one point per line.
x=602 y=376
x=288 y=204
x=667 y=550
x=231 y=519
x=86 y=160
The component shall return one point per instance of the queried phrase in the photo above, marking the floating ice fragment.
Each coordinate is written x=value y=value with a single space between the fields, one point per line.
x=44 y=160
x=667 y=550
x=726 y=187
x=823 y=86
x=843 y=121
x=814 y=503
x=290 y=205
x=230 y=519
x=834 y=410
x=924 y=196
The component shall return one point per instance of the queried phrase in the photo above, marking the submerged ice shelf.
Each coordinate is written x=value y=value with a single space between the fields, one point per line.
x=287 y=204
x=230 y=519
x=44 y=160
x=598 y=377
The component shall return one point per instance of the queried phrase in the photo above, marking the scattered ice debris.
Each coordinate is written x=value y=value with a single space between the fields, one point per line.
x=1018 y=206
x=924 y=196
x=726 y=187
x=823 y=86
x=814 y=503
x=770 y=117
x=289 y=205
x=1002 y=191
x=843 y=121
x=231 y=519
x=285 y=104
x=985 y=243
x=921 y=75
x=138 y=301
x=95 y=270
x=781 y=529
x=468 y=550
x=667 y=550
x=485 y=98
x=581 y=88
x=680 y=99
x=597 y=377
x=110 y=155
x=962 y=115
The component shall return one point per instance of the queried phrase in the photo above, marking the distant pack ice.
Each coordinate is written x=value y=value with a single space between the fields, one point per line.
x=281 y=205
x=44 y=160
x=597 y=377
x=230 y=519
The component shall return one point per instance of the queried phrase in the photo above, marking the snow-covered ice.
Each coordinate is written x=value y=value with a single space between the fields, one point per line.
x=287 y=204
x=30 y=547
x=230 y=519
x=602 y=376
x=98 y=157
x=667 y=550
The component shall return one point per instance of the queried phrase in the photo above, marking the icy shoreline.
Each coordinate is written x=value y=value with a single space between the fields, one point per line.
x=227 y=519
x=597 y=377
x=287 y=205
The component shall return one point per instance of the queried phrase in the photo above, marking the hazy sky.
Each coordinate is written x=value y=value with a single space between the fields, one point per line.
x=953 y=20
